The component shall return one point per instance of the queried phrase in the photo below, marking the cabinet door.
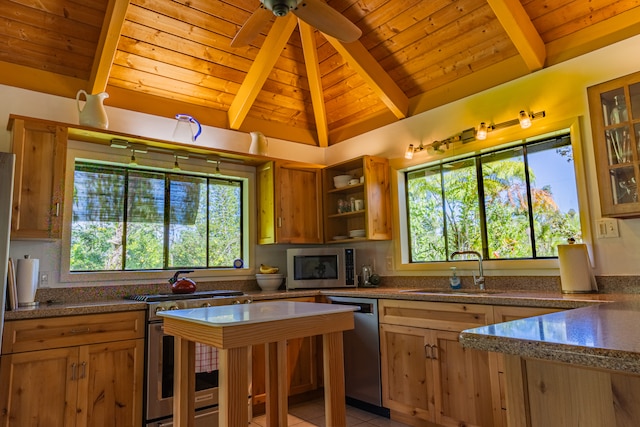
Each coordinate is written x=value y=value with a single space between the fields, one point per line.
x=298 y=205
x=39 y=388
x=110 y=384
x=614 y=108
x=266 y=203
x=407 y=373
x=40 y=150
x=463 y=384
x=288 y=204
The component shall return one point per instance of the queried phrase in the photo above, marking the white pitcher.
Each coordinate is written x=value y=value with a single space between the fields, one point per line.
x=259 y=144
x=93 y=113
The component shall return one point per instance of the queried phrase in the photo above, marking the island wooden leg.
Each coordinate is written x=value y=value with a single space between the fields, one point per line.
x=276 y=371
x=334 y=400
x=184 y=384
x=233 y=386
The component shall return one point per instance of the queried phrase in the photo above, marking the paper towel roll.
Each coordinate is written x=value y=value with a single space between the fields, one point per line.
x=27 y=280
x=575 y=270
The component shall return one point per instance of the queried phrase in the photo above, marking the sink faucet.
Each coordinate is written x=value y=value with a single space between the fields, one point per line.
x=477 y=280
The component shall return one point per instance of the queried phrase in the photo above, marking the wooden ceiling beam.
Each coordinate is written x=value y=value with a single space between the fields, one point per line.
x=374 y=75
x=517 y=23
x=39 y=80
x=310 y=52
x=107 y=45
x=273 y=44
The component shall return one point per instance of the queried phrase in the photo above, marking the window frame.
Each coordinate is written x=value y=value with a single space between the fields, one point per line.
x=524 y=267
x=104 y=154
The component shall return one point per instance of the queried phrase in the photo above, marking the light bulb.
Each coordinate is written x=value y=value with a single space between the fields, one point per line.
x=408 y=154
x=176 y=166
x=525 y=120
x=133 y=161
x=482 y=132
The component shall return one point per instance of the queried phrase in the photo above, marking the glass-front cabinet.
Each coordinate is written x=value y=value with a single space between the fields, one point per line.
x=615 y=121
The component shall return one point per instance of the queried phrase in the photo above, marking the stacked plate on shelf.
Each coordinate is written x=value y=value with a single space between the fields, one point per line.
x=356 y=233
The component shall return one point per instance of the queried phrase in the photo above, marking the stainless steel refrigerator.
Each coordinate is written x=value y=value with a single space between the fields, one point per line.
x=7 y=161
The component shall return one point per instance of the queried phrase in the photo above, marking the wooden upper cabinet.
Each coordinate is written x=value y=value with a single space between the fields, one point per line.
x=288 y=204
x=342 y=216
x=40 y=148
x=614 y=108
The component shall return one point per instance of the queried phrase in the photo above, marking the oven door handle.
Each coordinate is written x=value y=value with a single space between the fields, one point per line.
x=199 y=415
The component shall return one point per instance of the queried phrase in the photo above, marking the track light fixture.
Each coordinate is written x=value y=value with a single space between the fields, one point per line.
x=133 y=161
x=472 y=134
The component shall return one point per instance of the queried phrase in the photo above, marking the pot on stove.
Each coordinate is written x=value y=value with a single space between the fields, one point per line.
x=182 y=285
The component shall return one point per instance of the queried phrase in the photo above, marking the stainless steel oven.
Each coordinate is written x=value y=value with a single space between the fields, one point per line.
x=160 y=356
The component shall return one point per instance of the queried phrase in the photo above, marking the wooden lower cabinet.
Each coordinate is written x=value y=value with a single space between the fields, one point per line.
x=95 y=385
x=302 y=365
x=545 y=393
x=507 y=314
x=428 y=377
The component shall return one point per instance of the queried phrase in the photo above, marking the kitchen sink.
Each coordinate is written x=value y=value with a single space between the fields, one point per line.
x=453 y=291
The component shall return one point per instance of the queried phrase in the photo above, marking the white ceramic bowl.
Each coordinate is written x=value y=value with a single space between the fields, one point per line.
x=341 y=180
x=269 y=282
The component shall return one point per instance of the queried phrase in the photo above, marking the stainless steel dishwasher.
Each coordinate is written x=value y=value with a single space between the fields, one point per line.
x=363 y=387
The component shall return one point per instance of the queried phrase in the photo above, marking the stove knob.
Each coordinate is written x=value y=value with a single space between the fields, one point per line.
x=237 y=302
x=173 y=307
x=248 y=301
x=206 y=304
x=160 y=308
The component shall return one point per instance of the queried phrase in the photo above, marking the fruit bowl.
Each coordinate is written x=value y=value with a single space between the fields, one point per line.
x=269 y=282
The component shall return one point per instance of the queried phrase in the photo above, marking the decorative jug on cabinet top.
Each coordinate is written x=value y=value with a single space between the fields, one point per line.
x=184 y=132
x=93 y=113
x=259 y=144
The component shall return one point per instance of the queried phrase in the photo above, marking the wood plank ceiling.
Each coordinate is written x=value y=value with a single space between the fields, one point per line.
x=173 y=56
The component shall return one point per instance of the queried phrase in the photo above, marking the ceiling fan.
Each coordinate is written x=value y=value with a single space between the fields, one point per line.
x=316 y=13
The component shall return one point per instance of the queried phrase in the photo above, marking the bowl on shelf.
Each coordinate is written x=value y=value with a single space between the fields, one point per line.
x=341 y=180
x=269 y=282
x=356 y=233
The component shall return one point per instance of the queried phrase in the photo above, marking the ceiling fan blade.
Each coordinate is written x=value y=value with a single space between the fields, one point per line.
x=252 y=27
x=326 y=19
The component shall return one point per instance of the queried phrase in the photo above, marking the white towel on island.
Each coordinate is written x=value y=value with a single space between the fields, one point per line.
x=206 y=358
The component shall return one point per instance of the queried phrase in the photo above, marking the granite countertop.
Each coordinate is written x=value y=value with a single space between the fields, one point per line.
x=547 y=299
x=602 y=336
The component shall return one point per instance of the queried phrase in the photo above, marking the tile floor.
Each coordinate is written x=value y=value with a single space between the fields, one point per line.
x=311 y=414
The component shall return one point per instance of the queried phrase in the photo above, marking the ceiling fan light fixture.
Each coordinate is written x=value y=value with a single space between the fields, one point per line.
x=280 y=7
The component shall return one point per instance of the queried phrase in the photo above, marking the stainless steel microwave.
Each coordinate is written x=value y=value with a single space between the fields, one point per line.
x=317 y=268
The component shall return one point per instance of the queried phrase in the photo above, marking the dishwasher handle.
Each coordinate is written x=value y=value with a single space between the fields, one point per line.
x=364 y=307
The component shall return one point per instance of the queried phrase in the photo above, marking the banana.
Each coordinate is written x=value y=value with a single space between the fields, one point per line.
x=267 y=269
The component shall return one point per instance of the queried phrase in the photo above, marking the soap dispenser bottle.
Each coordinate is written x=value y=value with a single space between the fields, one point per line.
x=454 y=280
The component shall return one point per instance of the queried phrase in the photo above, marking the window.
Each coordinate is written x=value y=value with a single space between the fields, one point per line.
x=513 y=203
x=130 y=219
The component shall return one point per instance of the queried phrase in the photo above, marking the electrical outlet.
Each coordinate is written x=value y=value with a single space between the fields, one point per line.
x=389 y=263
x=607 y=228
x=44 y=278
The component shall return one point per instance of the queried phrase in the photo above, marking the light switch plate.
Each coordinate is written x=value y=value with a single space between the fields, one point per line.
x=607 y=228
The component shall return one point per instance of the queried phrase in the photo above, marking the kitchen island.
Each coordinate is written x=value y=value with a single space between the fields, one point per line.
x=573 y=368
x=233 y=329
